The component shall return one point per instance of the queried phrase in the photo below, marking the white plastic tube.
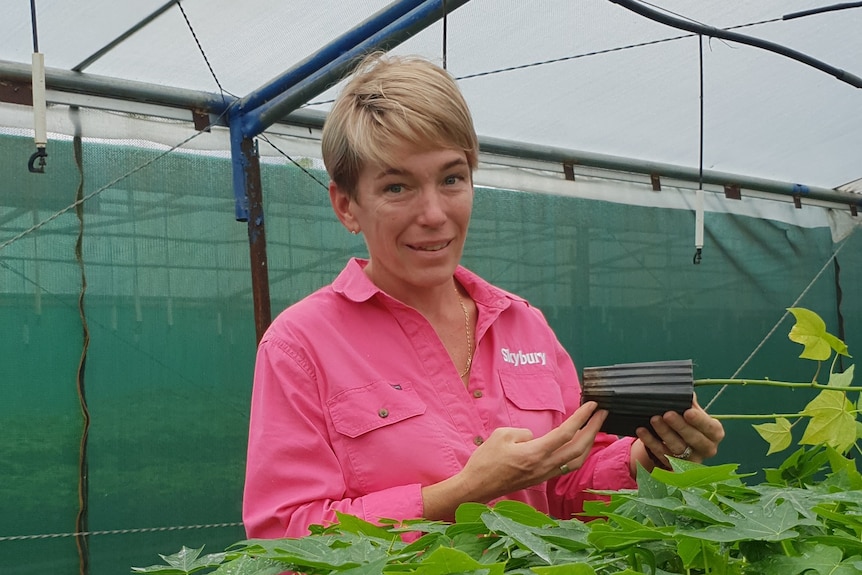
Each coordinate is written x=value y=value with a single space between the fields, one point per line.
x=39 y=107
x=698 y=219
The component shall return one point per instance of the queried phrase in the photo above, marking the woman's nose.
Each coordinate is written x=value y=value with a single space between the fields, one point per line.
x=432 y=210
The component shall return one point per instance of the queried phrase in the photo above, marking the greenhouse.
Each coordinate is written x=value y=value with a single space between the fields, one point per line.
x=662 y=180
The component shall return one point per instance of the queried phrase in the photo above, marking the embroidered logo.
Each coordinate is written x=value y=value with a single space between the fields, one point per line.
x=517 y=358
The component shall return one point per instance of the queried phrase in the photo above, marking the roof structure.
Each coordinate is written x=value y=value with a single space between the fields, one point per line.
x=590 y=75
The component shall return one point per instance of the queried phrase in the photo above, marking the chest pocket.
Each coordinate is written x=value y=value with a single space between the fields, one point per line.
x=357 y=411
x=533 y=399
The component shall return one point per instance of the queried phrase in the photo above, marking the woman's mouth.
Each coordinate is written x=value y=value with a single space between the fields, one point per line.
x=429 y=247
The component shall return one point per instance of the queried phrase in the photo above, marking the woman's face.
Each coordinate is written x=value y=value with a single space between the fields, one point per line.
x=414 y=216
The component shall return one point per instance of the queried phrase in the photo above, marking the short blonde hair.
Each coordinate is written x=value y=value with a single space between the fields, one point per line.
x=388 y=102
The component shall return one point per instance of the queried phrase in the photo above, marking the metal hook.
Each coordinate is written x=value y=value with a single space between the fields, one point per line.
x=697 y=256
x=39 y=154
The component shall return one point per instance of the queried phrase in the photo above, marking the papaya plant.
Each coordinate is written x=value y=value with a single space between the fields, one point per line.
x=697 y=519
x=831 y=418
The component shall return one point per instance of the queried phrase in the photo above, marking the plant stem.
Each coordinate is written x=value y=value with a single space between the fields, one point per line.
x=754 y=415
x=768 y=415
x=773 y=383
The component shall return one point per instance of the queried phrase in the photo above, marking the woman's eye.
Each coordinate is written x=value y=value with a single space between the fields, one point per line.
x=395 y=188
x=451 y=180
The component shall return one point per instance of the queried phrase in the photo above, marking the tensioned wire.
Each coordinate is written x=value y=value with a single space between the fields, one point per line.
x=119 y=531
x=783 y=316
x=579 y=56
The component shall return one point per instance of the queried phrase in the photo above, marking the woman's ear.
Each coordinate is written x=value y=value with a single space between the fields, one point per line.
x=341 y=204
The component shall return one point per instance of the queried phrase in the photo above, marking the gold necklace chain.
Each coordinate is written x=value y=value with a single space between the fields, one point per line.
x=467 y=330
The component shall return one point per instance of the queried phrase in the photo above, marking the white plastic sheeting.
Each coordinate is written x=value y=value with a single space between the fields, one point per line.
x=619 y=84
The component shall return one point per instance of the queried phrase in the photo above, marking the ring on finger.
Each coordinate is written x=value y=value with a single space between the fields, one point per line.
x=564 y=469
x=686 y=453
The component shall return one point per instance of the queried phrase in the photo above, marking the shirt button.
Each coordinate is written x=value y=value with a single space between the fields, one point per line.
x=383 y=413
x=477 y=394
x=478 y=440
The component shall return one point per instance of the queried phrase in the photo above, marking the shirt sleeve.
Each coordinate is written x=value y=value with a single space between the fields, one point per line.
x=293 y=478
x=607 y=465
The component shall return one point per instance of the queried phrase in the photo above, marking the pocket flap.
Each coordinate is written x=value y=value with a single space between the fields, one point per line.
x=532 y=391
x=378 y=404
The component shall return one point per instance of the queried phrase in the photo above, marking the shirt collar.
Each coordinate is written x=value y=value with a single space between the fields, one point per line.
x=353 y=284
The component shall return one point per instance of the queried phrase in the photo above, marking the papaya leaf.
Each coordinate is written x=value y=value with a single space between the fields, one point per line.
x=778 y=434
x=629 y=532
x=523 y=513
x=689 y=474
x=246 y=565
x=821 y=559
x=753 y=521
x=444 y=560
x=802 y=500
x=353 y=524
x=833 y=422
x=835 y=513
x=810 y=331
x=568 y=569
x=688 y=549
x=839 y=346
x=842 y=379
x=470 y=512
x=314 y=552
x=184 y=561
x=520 y=533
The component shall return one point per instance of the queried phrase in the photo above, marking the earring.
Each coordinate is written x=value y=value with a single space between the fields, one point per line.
x=354 y=232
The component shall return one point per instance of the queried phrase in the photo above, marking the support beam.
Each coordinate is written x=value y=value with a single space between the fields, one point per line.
x=256 y=238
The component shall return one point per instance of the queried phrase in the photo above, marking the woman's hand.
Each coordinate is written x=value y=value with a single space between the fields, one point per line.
x=511 y=459
x=694 y=436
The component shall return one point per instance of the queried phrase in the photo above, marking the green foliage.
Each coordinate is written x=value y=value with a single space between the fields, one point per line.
x=694 y=520
x=806 y=517
x=832 y=416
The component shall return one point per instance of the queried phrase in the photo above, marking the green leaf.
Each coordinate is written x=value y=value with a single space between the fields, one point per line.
x=519 y=532
x=318 y=552
x=625 y=533
x=246 y=565
x=443 y=561
x=523 y=513
x=470 y=512
x=802 y=500
x=753 y=521
x=842 y=379
x=565 y=569
x=833 y=422
x=820 y=558
x=778 y=435
x=184 y=561
x=690 y=474
x=810 y=331
x=688 y=549
x=353 y=524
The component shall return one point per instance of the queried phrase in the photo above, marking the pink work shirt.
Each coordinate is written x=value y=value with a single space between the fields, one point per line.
x=357 y=405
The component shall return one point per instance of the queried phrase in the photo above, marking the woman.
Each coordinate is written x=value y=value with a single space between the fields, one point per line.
x=410 y=385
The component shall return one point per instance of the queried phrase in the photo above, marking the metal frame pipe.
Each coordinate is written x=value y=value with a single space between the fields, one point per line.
x=407 y=25
x=183 y=99
x=556 y=155
x=117 y=88
x=387 y=28
x=325 y=55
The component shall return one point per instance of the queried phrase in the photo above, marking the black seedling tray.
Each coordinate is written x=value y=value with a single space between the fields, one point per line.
x=634 y=392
